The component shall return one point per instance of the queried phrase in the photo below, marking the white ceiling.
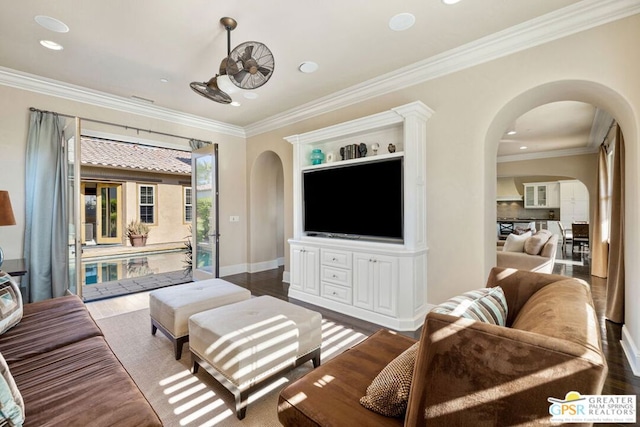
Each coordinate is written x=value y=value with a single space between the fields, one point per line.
x=123 y=48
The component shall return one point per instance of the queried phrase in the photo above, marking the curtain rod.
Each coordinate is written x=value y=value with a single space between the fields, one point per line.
x=118 y=125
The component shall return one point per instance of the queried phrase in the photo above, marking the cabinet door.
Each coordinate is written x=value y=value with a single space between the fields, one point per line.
x=362 y=281
x=541 y=196
x=385 y=284
x=553 y=195
x=529 y=196
x=304 y=269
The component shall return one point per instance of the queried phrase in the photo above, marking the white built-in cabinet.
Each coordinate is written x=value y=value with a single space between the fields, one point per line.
x=380 y=282
x=574 y=202
x=542 y=195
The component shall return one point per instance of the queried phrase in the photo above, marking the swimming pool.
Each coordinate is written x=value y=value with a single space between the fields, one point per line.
x=96 y=270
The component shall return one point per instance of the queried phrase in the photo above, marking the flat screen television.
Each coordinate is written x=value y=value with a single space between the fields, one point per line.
x=357 y=201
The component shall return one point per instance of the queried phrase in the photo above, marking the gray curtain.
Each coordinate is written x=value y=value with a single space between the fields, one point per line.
x=46 y=240
x=600 y=221
x=196 y=143
x=615 y=276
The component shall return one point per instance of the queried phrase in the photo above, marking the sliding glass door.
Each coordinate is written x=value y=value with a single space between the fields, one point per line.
x=72 y=146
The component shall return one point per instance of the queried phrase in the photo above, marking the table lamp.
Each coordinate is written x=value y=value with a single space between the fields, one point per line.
x=6 y=215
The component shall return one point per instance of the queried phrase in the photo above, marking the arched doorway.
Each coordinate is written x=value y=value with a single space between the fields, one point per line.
x=266 y=207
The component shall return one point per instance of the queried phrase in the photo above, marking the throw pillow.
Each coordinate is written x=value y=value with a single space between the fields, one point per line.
x=11 y=403
x=10 y=303
x=534 y=244
x=388 y=393
x=487 y=305
x=515 y=242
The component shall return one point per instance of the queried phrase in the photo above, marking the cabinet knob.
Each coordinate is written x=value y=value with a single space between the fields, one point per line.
x=334 y=293
x=335 y=277
x=334 y=259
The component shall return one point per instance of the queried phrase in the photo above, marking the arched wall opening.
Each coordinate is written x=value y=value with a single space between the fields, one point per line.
x=619 y=108
x=266 y=213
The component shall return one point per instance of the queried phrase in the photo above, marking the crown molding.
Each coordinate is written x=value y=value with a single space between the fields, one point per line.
x=547 y=154
x=564 y=22
x=42 y=85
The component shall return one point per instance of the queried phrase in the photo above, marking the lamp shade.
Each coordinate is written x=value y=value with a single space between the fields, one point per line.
x=6 y=212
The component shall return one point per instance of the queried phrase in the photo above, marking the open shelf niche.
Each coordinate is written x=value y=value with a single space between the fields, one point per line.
x=383 y=283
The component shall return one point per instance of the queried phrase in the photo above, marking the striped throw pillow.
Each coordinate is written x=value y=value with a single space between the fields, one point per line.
x=485 y=305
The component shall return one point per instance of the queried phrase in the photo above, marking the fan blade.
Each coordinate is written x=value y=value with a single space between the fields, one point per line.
x=247 y=53
x=239 y=76
x=265 y=71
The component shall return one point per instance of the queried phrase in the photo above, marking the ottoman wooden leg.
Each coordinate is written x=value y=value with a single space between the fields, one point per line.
x=241 y=403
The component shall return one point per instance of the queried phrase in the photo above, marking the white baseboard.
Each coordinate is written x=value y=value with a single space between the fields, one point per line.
x=631 y=351
x=286 y=277
x=233 y=269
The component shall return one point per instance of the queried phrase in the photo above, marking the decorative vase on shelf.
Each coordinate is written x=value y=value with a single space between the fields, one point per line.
x=317 y=156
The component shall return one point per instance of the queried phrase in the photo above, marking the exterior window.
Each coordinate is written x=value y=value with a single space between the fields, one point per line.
x=188 y=207
x=147 y=203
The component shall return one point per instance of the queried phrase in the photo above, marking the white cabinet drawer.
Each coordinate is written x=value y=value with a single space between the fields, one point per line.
x=336 y=292
x=335 y=258
x=339 y=276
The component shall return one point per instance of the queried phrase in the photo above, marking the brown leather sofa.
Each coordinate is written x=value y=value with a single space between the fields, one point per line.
x=468 y=372
x=66 y=372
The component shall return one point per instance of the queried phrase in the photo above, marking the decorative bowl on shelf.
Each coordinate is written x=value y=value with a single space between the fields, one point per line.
x=317 y=156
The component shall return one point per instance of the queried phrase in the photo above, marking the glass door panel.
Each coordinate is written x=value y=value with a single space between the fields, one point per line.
x=72 y=145
x=109 y=206
x=204 y=181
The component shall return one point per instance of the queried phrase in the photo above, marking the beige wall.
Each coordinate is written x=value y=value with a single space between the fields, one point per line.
x=14 y=122
x=472 y=109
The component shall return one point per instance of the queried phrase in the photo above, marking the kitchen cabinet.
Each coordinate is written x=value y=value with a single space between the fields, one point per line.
x=574 y=202
x=541 y=195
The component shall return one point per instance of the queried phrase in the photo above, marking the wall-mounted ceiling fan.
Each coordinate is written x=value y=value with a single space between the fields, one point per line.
x=248 y=66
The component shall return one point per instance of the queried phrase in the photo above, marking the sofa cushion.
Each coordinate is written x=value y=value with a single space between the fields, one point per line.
x=10 y=303
x=515 y=242
x=573 y=320
x=389 y=391
x=533 y=245
x=486 y=305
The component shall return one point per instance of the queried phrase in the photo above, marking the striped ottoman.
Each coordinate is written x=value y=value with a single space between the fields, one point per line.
x=245 y=343
x=171 y=307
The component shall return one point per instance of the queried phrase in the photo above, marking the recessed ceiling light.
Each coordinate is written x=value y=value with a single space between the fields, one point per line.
x=250 y=95
x=52 y=24
x=450 y=1
x=308 y=67
x=236 y=104
x=163 y=80
x=524 y=147
x=51 y=45
x=402 y=21
x=512 y=132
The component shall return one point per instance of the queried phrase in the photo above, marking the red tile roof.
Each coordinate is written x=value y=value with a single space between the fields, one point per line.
x=124 y=155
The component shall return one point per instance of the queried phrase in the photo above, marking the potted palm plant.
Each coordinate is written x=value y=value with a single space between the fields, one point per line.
x=137 y=232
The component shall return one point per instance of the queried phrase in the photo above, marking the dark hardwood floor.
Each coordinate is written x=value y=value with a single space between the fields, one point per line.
x=620 y=379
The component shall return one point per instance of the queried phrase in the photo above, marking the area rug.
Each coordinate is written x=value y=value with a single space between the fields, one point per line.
x=183 y=399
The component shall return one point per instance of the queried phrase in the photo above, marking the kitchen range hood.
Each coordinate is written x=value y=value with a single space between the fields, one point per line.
x=506 y=190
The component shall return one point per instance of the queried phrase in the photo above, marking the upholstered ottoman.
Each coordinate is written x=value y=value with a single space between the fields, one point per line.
x=171 y=307
x=245 y=343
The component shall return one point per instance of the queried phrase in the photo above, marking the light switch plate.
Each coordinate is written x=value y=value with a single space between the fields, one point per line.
x=234 y=218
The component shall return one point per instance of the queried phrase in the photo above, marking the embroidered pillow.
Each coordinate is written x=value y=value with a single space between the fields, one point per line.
x=388 y=393
x=515 y=242
x=10 y=303
x=487 y=305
